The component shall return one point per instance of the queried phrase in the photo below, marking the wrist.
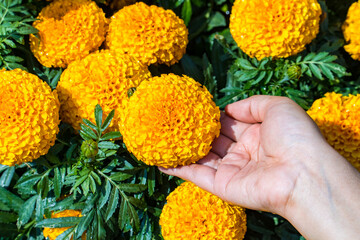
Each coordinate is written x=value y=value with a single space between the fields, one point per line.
x=325 y=202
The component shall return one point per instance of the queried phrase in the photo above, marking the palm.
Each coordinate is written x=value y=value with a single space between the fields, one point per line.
x=254 y=161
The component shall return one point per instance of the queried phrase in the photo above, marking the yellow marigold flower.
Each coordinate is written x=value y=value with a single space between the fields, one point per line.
x=68 y=30
x=274 y=28
x=169 y=121
x=149 y=33
x=29 y=117
x=338 y=118
x=351 y=31
x=100 y=78
x=53 y=233
x=193 y=213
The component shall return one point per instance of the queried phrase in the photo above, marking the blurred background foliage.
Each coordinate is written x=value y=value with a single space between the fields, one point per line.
x=120 y=197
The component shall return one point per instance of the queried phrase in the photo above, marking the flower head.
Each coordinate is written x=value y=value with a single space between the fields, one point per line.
x=149 y=33
x=274 y=28
x=351 y=31
x=169 y=121
x=68 y=30
x=100 y=78
x=29 y=117
x=53 y=233
x=193 y=213
x=338 y=118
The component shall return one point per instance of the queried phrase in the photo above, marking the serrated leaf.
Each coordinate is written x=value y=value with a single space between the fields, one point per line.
x=84 y=223
x=96 y=178
x=337 y=69
x=137 y=202
x=258 y=79
x=105 y=194
x=6 y=177
x=13 y=59
x=316 y=71
x=108 y=145
x=66 y=235
x=43 y=186
x=10 y=199
x=186 y=11
x=85 y=186
x=58 y=222
x=123 y=214
x=113 y=202
x=151 y=181
x=309 y=57
x=57 y=183
x=108 y=120
x=25 y=30
x=98 y=116
x=244 y=64
x=110 y=135
x=88 y=131
x=120 y=176
x=10 y=43
x=134 y=218
x=320 y=56
x=247 y=75
x=78 y=182
x=39 y=209
x=326 y=72
x=92 y=184
x=27 y=210
x=89 y=123
x=132 y=188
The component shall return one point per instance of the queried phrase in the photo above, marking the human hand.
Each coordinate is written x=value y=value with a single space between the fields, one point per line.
x=271 y=156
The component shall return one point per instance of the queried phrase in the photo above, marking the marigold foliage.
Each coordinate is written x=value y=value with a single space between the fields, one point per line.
x=338 y=118
x=68 y=30
x=29 y=117
x=149 y=33
x=100 y=78
x=351 y=31
x=268 y=28
x=193 y=213
x=169 y=121
x=53 y=233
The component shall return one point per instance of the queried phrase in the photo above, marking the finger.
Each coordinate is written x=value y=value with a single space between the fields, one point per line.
x=253 y=109
x=201 y=175
x=211 y=160
x=222 y=145
x=232 y=128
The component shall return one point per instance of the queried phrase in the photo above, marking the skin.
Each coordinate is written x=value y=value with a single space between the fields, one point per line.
x=271 y=156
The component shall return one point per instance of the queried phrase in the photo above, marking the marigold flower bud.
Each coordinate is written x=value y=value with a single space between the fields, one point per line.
x=89 y=148
x=294 y=72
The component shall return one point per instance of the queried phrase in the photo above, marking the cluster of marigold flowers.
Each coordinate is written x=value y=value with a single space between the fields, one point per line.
x=170 y=120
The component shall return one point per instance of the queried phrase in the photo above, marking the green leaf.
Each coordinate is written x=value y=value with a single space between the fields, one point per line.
x=96 y=178
x=39 y=210
x=85 y=185
x=320 y=56
x=108 y=145
x=89 y=123
x=58 y=222
x=10 y=199
x=6 y=177
x=134 y=218
x=43 y=186
x=88 y=131
x=105 y=193
x=84 y=223
x=186 y=11
x=7 y=217
x=25 y=30
x=216 y=20
x=57 y=183
x=132 y=188
x=137 y=202
x=27 y=210
x=326 y=72
x=316 y=71
x=123 y=214
x=66 y=235
x=92 y=184
x=79 y=181
x=110 y=135
x=244 y=64
x=151 y=180
x=113 y=202
x=120 y=176
x=98 y=116
x=107 y=120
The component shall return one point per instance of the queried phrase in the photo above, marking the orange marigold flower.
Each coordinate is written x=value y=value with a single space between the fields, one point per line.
x=169 y=121
x=149 y=33
x=68 y=30
x=338 y=118
x=53 y=233
x=351 y=31
x=274 y=28
x=29 y=117
x=100 y=78
x=193 y=213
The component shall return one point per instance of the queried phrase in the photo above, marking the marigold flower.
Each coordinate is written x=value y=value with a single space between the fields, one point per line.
x=338 y=118
x=193 y=213
x=29 y=117
x=53 y=233
x=351 y=31
x=169 y=121
x=149 y=33
x=100 y=78
x=274 y=28
x=68 y=30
